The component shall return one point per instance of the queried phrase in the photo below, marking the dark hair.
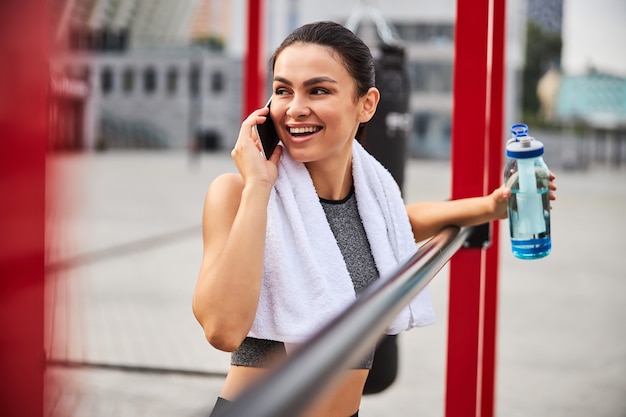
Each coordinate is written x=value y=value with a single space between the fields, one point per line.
x=352 y=51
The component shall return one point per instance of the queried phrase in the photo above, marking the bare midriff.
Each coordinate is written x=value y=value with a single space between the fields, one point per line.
x=341 y=399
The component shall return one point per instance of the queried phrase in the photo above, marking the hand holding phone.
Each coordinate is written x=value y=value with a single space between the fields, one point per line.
x=267 y=134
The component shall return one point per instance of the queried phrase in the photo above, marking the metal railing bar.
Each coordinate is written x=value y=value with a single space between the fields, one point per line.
x=60 y=363
x=123 y=249
x=290 y=388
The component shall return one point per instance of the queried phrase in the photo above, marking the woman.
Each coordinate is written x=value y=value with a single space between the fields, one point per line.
x=284 y=235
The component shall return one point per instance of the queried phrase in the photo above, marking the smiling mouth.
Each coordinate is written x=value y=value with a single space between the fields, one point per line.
x=304 y=131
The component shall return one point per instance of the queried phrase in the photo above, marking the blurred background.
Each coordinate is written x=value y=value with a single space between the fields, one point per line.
x=146 y=100
x=168 y=74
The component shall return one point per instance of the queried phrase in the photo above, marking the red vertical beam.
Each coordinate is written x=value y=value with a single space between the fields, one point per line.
x=468 y=179
x=476 y=162
x=23 y=115
x=494 y=180
x=254 y=65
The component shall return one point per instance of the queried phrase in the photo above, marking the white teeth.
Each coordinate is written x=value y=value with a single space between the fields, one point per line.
x=300 y=130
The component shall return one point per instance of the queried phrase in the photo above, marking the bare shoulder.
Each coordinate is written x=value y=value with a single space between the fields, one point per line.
x=225 y=184
x=221 y=204
x=224 y=194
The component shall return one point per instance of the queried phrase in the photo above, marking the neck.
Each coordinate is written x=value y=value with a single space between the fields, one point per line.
x=332 y=181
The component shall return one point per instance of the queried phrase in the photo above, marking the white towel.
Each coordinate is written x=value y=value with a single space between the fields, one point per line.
x=305 y=279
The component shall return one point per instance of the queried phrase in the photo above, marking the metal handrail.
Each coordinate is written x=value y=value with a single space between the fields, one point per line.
x=288 y=389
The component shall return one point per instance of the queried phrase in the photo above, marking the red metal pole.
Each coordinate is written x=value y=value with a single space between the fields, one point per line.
x=476 y=170
x=254 y=65
x=23 y=116
x=469 y=135
x=494 y=180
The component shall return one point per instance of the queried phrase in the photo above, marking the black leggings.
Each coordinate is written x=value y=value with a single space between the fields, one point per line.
x=222 y=405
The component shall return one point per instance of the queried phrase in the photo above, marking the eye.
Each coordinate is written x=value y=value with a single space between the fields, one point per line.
x=279 y=91
x=317 y=91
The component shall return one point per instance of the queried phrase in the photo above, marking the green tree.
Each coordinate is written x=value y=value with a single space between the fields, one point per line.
x=543 y=49
x=211 y=42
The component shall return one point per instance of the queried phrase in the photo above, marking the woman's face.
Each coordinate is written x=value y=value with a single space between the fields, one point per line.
x=314 y=106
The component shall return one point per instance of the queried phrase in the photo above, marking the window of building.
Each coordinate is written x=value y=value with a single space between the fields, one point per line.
x=217 y=82
x=431 y=77
x=128 y=80
x=149 y=80
x=420 y=126
x=106 y=80
x=430 y=135
x=426 y=32
x=172 y=80
x=194 y=81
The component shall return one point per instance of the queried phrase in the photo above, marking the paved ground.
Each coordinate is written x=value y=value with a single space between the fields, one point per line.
x=130 y=222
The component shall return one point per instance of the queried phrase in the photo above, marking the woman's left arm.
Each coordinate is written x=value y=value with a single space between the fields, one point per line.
x=428 y=218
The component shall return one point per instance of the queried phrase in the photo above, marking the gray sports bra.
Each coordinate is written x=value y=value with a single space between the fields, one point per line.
x=345 y=222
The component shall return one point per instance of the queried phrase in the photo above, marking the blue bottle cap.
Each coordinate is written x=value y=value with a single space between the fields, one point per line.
x=519 y=129
x=522 y=146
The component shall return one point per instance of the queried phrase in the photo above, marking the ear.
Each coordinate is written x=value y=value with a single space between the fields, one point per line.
x=369 y=103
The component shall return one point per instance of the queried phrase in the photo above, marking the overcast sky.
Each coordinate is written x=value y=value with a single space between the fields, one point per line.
x=594 y=34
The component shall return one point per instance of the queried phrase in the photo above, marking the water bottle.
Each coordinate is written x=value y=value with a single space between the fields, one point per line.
x=528 y=177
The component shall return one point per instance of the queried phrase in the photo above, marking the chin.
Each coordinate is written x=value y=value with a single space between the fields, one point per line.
x=299 y=154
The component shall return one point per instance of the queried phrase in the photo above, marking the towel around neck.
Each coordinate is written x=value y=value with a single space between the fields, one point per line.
x=305 y=279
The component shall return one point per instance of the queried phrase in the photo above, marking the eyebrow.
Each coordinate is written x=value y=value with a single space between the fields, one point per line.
x=309 y=82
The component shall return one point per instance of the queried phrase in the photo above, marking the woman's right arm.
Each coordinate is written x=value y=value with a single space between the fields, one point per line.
x=233 y=228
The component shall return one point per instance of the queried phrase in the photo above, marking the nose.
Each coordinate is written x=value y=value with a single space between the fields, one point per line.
x=298 y=107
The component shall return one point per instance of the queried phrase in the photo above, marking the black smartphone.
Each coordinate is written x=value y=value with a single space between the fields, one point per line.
x=267 y=134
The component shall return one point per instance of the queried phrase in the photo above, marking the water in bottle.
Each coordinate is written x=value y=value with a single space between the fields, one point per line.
x=528 y=177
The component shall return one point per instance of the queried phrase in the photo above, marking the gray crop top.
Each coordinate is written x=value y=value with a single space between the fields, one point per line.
x=345 y=222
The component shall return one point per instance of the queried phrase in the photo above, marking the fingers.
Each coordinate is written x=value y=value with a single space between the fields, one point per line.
x=506 y=192
x=275 y=157
x=256 y=117
x=257 y=143
x=552 y=196
x=502 y=193
x=248 y=153
x=248 y=133
x=499 y=198
x=552 y=186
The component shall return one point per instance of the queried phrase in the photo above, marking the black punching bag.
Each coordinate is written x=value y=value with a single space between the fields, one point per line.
x=386 y=139
x=386 y=134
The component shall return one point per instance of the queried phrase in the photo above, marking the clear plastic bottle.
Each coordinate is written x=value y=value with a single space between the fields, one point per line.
x=528 y=177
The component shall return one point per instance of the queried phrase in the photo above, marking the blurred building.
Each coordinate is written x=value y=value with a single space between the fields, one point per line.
x=168 y=73
x=598 y=99
x=152 y=74
x=593 y=96
x=583 y=92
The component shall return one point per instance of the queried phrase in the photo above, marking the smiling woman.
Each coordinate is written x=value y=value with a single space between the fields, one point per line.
x=317 y=222
x=318 y=109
